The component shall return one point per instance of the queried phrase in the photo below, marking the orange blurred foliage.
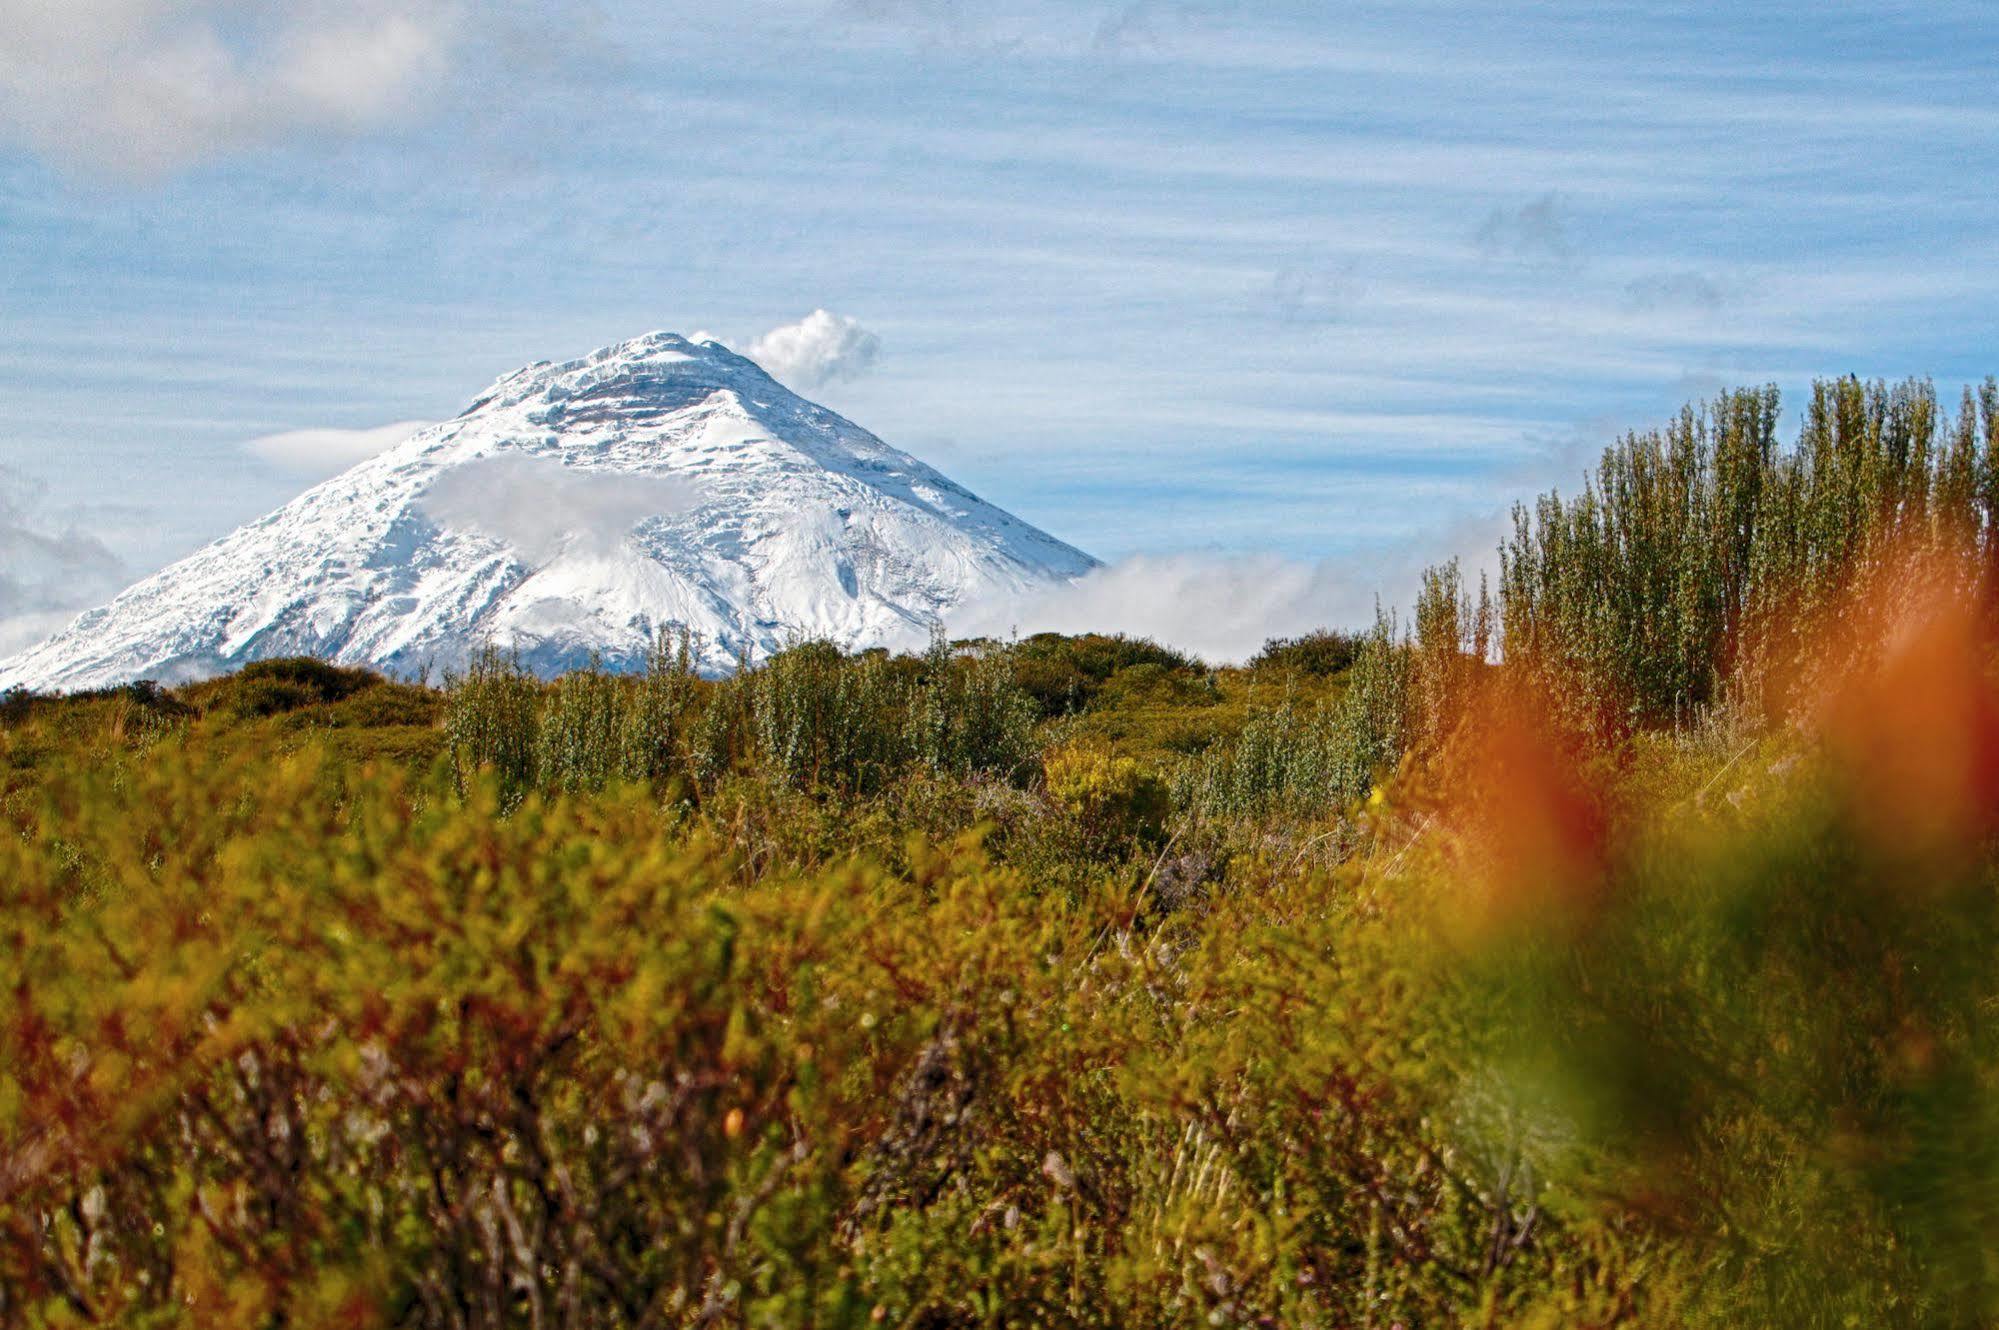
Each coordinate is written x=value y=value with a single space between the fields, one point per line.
x=1532 y=828
x=1910 y=715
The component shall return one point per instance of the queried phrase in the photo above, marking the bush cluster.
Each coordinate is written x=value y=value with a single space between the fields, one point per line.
x=1064 y=675
x=1324 y=653
x=1292 y=761
x=810 y=717
x=1702 y=554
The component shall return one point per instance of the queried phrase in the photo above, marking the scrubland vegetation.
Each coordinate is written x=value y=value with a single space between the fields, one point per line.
x=1616 y=948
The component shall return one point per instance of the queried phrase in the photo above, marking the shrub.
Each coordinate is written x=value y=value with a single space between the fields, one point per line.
x=388 y=705
x=1323 y=653
x=1115 y=803
x=1376 y=719
x=1762 y=1017
x=339 y=1068
x=17 y=704
x=1284 y=759
x=973 y=718
x=493 y=723
x=1452 y=642
x=1701 y=556
x=820 y=720
x=1064 y=674
x=1289 y=760
x=313 y=679
x=581 y=736
x=270 y=697
x=663 y=702
x=581 y=732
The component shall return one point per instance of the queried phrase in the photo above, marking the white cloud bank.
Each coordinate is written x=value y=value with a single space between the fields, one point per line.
x=543 y=509
x=319 y=453
x=817 y=350
x=141 y=88
x=1222 y=608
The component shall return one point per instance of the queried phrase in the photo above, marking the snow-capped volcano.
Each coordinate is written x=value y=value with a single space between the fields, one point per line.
x=574 y=509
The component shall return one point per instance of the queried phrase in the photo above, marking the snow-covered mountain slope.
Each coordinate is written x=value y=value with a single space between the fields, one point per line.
x=575 y=509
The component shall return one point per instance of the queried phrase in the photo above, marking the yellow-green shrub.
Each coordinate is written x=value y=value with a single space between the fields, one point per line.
x=1114 y=802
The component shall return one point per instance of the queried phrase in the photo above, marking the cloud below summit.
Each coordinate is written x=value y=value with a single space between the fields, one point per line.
x=542 y=509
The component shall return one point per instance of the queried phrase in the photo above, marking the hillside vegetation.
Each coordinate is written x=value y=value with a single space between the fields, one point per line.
x=1614 y=946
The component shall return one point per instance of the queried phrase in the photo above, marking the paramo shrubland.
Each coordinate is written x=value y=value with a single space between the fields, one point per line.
x=1610 y=948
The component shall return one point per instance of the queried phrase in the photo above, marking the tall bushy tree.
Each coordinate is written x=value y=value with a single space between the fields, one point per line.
x=1452 y=637
x=1700 y=554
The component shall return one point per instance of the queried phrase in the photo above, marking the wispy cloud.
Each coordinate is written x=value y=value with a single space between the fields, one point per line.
x=1537 y=233
x=939 y=20
x=49 y=571
x=1127 y=27
x=1103 y=28
x=145 y=87
x=318 y=453
x=1675 y=290
x=1316 y=293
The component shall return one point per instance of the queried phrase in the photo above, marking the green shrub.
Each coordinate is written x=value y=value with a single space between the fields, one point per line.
x=388 y=705
x=816 y=718
x=581 y=732
x=1377 y=715
x=313 y=679
x=278 y=687
x=494 y=723
x=270 y=697
x=1701 y=556
x=662 y=705
x=1292 y=760
x=581 y=737
x=17 y=704
x=1064 y=674
x=972 y=717
x=1323 y=653
x=1284 y=759
x=821 y=720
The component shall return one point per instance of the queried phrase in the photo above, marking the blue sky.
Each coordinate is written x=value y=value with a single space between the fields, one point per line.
x=1327 y=282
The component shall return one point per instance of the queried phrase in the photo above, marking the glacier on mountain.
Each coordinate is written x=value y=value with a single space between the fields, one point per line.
x=576 y=511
